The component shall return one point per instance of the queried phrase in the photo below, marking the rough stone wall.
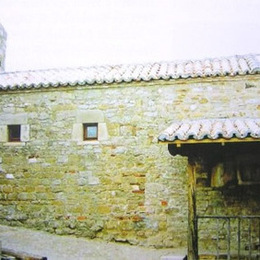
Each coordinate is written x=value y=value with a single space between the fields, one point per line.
x=125 y=186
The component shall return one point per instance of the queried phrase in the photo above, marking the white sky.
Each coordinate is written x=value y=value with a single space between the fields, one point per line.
x=72 y=33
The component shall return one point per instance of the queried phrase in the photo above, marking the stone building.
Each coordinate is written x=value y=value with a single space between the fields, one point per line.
x=107 y=151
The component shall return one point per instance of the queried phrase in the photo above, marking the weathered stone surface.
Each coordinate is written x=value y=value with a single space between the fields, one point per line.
x=13 y=118
x=3 y=133
x=125 y=186
x=90 y=116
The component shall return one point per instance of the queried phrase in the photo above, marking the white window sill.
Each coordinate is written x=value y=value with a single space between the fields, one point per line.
x=14 y=144
x=94 y=142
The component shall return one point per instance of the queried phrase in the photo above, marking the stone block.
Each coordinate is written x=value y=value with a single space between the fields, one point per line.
x=113 y=128
x=64 y=115
x=82 y=181
x=25 y=133
x=77 y=132
x=93 y=180
x=102 y=132
x=126 y=130
x=9 y=176
x=7 y=189
x=13 y=119
x=26 y=196
x=90 y=116
x=32 y=160
x=3 y=133
x=103 y=209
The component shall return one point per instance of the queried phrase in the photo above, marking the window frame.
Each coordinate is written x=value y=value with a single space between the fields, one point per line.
x=85 y=132
x=11 y=130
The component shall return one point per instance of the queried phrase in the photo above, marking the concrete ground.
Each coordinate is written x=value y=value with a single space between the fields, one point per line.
x=56 y=247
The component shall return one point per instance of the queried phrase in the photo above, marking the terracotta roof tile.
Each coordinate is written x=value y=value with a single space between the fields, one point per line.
x=234 y=65
x=212 y=129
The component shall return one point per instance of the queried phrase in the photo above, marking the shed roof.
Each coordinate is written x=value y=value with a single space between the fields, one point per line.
x=231 y=66
x=208 y=130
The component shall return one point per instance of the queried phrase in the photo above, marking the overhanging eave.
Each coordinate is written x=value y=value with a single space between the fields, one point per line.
x=221 y=141
x=216 y=130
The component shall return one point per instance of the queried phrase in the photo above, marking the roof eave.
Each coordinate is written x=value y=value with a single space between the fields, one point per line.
x=221 y=141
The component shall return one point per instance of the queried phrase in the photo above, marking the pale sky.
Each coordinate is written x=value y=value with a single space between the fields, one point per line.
x=72 y=33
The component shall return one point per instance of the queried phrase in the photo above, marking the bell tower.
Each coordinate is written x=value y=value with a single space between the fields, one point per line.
x=3 y=36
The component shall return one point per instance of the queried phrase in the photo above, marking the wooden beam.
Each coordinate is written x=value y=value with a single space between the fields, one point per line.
x=210 y=141
x=192 y=219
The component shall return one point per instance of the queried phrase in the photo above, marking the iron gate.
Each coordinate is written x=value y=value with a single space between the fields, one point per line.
x=228 y=237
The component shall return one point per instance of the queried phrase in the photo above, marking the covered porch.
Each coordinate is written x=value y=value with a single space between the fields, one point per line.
x=223 y=185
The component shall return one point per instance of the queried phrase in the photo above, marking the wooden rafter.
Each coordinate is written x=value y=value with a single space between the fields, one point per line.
x=222 y=141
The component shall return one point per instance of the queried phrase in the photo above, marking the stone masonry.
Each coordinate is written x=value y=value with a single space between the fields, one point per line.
x=125 y=186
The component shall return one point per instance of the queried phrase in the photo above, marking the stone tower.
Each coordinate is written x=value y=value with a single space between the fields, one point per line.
x=3 y=36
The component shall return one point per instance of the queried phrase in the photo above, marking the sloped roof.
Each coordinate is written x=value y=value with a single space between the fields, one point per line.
x=234 y=65
x=211 y=129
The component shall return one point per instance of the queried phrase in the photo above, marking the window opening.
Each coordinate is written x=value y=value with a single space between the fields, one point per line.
x=90 y=131
x=14 y=133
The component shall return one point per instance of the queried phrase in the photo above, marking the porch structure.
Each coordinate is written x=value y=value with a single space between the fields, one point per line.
x=228 y=148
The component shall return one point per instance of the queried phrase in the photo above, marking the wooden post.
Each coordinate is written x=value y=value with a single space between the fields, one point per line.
x=192 y=220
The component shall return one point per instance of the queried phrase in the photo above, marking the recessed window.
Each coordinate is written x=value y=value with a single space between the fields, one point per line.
x=90 y=131
x=14 y=133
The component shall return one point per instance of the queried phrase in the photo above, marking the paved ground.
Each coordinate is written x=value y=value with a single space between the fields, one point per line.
x=56 y=247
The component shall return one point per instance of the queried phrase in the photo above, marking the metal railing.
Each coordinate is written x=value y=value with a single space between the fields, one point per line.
x=229 y=237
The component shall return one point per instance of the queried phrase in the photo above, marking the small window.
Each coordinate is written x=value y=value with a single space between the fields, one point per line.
x=14 y=133
x=90 y=131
